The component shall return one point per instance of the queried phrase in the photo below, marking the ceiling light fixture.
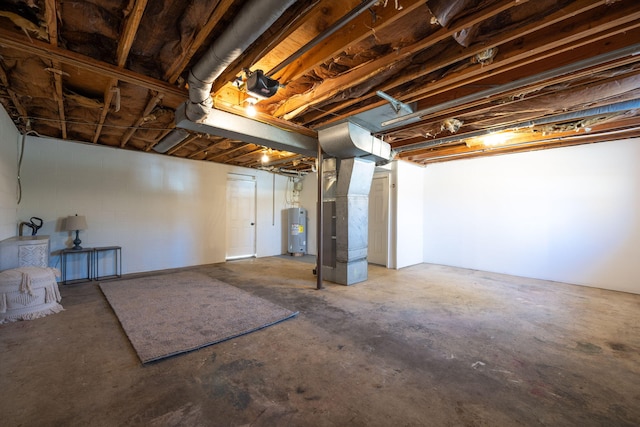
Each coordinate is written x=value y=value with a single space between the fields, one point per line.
x=493 y=139
x=250 y=109
x=265 y=156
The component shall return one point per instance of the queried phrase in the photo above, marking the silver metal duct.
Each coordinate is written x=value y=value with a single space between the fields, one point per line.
x=346 y=222
x=348 y=139
x=346 y=202
x=227 y=125
x=172 y=139
x=253 y=20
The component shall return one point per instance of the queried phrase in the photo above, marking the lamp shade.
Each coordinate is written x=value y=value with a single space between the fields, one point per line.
x=75 y=222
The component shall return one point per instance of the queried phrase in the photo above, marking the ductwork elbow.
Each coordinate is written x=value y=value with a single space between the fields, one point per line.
x=346 y=140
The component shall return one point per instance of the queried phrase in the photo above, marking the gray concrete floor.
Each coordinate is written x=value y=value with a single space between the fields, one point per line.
x=426 y=345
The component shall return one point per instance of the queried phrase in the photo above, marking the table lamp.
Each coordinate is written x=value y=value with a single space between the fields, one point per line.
x=76 y=223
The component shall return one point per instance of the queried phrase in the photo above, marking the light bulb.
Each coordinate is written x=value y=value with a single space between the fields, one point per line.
x=494 y=139
x=250 y=109
x=265 y=157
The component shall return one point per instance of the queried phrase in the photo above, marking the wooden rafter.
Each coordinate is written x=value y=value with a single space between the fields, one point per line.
x=328 y=89
x=263 y=48
x=228 y=152
x=524 y=57
x=205 y=149
x=178 y=66
x=486 y=105
x=51 y=16
x=134 y=12
x=184 y=143
x=358 y=29
x=153 y=102
x=44 y=50
x=14 y=97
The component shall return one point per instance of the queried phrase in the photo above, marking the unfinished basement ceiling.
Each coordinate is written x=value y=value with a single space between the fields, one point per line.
x=113 y=72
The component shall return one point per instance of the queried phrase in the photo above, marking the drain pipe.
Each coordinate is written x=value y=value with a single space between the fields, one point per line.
x=253 y=20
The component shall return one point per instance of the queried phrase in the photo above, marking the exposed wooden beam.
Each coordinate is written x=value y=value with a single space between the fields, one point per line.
x=542 y=31
x=175 y=69
x=217 y=141
x=51 y=17
x=329 y=88
x=461 y=151
x=228 y=152
x=268 y=46
x=133 y=13
x=486 y=105
x=17 y=41
x=187 y=141
x=14 y=97
x=108 y=97
x=358 y=29
x=153 y=102
x=247 y=154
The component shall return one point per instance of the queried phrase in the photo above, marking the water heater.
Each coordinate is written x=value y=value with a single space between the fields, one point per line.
x=297 y=231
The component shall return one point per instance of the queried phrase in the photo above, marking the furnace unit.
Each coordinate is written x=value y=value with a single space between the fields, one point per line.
x=297 y=234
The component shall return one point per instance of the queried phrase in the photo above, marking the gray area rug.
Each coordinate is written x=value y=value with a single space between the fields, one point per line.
x=169 y=314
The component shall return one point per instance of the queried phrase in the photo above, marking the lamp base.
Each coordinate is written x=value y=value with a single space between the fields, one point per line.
x=77 y=242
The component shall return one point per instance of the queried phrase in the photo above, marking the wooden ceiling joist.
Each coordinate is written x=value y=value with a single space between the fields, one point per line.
x=153 y=102
x=462 y=54
x=410 y=50
x=44 y=50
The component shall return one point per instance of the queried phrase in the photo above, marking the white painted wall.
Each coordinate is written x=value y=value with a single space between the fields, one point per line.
x=407 y=195
x=406 y=182
x=570 y=214
x=9 y=155
x=164 y=212
x=308 y=200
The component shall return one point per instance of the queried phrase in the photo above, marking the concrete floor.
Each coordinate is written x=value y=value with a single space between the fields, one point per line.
x=426 y=345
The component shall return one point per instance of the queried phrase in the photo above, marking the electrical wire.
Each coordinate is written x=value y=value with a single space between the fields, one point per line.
x=85 y=123
x=24 y=137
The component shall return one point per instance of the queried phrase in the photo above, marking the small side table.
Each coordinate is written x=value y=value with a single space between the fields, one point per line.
x=66 y=255
x=117 y=267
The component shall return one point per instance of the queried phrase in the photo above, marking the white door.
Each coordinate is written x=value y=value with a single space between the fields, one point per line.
x=241 y=217
x=379 y=221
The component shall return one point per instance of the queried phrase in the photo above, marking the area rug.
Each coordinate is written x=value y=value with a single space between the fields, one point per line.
x=165 y=315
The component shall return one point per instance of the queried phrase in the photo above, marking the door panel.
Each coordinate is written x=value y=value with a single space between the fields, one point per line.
x=241 y=218
x=379 y=221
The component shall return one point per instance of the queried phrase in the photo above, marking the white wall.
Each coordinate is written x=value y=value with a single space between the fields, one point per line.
x=164 y=212
x=407 y=195
x=570 y=214
x=406 y=212
x=308 y=200
x=9 y=144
